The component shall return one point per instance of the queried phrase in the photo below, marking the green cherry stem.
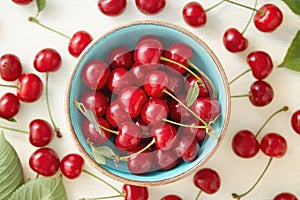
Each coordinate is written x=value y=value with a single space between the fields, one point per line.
x=241 y=95
x=180 y=124
x=198 y=195
x=99 y=198
x=239 y=76
x=239 y=196
x=9 y=86
x=13 y=129
x=56 y=129
x=36 y=21
x=241 y=5
x=250 y=19
x=214 y=6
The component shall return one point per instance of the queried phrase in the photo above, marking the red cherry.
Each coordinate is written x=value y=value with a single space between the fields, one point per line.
x=154 y=110
x=129 y=136
x=285 y=196
x=78 y=42
x=244 y=144
x=9 y=105
x=115 y=115
x=207 y=180
x=30 y=88
x=204 y=90
x=273 y=145
x=234 y=41
x=10 y=67
x=165 y=159
x=165 y=135
x=71 y=165
x=187 y=148
x=260 y=63
x=198 y=133
x=138 y=74
x=268 y=18
x=206 y=108
x=22 y=2
x=194 y=14
x=177 y=112
x=119 y=79
x=47 y=60
x=40 y=132
x=93 y=135
x=140 y=163
x=156 y=81
x=112 y=7
x=295 y=121
x=120 y=56
x=150 y=7
x=95 y=74
x=95 y=101
x=44 y=161
x=133 y=192
x=261 y=93
x=171 y=197
x=177 y=81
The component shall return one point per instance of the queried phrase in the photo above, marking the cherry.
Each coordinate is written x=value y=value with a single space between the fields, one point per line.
x=143 y=126
x=198 y=133
x=207 y=180
x=93 y=135
x=120 y=56
x=234 y=41
x=112 y=7
x=177 y=81
x=132 y=99
x=155 y=82
x=154 y=110
x=245 y=144
x=44 y=161
x=295 y=121
x=261 y=93
x=177 y=112
x=40 y=132
x=47 y=60
x=165 y=159
x=133 y=192
x=119 y=79
x=30 y=88
x=206 y=108
x=194 y=14
x=204 y=90
x=273 y=145
x=115 y=115
x=22 y=2
x=285 y=196
x=71 y=165
x=95 y=74
x=171 y=197
x=140 y=163
x=187 y=148
x=139 y=73
x=10 y=67
x=95 y=101
x=78 y=42
x=150 y=7
x=165 y=135
x=9 y=105
x=129 y=136
x=179 y=52
x=260 y=63
x=268 y=18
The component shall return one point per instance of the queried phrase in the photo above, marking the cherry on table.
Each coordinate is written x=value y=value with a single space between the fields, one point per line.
x=71 y=165
x=150 y=7
x=93 y=135
x=260 y=63
x=295 y=121
x=154 y=110
x=261 y=93
x=120 y=56
x=47 y=60
x=268 y=18
x=112 y=7
x=164 y=159
x=207 y=180
x=194 y=14
x=10 y=67
x=22 y=2
x=234 y=41
x=285 y=196
x=171 y=197
x=78 y=42
x=245 y=144
x=165 y=135
x=9 y=105
x=40 y=132
x=30 y=88
x=273 y=145
x=133 y=192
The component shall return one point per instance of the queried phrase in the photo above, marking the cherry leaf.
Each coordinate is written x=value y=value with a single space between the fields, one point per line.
x=11 y=172
x=10 y=120
x=41 y=4
x=294 y=5
x=98 y=157
x=292 y=58
x=192 y=94
x=41 y=188
x=102 y=152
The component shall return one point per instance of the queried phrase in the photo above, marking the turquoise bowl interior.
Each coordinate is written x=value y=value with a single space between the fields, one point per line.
x=128 y=35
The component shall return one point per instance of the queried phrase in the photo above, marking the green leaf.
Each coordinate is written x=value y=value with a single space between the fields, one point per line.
x=11 y=172
x=192 y=94
x=292 y=57
x=42 y=188
x=41 y=4
x=10 y=120
x=105 y=151
x=294 y=5
x=99 y=158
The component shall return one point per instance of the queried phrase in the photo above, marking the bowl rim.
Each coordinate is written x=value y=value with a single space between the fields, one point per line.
x=226 y=116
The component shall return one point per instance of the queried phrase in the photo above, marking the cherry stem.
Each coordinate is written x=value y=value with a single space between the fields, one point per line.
x=239 y=196
x=187 y=108
x=250 y=19
x=240 y=75
x=214 y=95
x=198 y=195
x=241 y=5
x=214 y=6
x=284 y=108
x=36 y=21
x=108 y=197
x=103 y=181
x=13 y=129
x=180 y=124
x=9 y=120
x=242 y=95
x=9 y=86
x=56 y=129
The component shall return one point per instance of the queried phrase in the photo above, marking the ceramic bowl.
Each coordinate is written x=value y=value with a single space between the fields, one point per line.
x=128 y=36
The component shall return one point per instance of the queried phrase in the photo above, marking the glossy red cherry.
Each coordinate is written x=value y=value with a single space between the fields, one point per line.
x=47 y=60
x=138 y=73
x=244 y=144
x=204 y=90
x=295 y=121
x=119 y=79
x=120 y=56
x=177 y=112
x=95 y=74
x=93 y=135
x=261 y=93
x=198 y=133
x=177 y=85
x=40 y=132
x=132 y=99
x=150 y=7
x=260 y=63
x=154 y=110
x=115 y=115
x=78 y=42
x=171 y=197
x=206 y=108
x=285 y=196
x=165 y=135
x=10 y=67
x=71 y=165
x=268 y=18
x=9 y=105
x=207 y=180
x=22 y=2
x=155 y=82
x=274 y=145
x=44 y=161
x=234 y=41
x=140 y=163
x=187 y=148
x=133 y=192
x=129 y=136
x=95 y=101
x=30 y=88
x=194 y=14
x=164 y=159
x=112 y=7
